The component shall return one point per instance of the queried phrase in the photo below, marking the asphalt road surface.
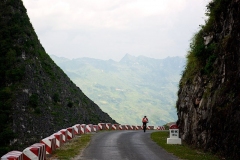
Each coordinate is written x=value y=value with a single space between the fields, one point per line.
x=124 y=145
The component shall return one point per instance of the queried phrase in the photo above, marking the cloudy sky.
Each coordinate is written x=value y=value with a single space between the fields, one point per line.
x=108 y=29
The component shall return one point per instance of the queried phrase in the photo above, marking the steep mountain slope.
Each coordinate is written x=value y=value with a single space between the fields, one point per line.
x=36 y=97
x=129 y=89
x=208 y=99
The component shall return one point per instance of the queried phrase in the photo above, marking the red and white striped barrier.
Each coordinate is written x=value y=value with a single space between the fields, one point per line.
x=138 y=127
x=122 y=127
x=50 y=143
x=108 y=126
x=76 y=128
x=95 y=128
x=13 y=155
x=134 y=127
x=64 y=133
x=128 y=127
x=42 y=150
x=102 y=126
x=89 y=128
x=150 y=127
x=82 y=128
x=160 y=128
x=35 y=152
x=115 y=126
x=59 y=139
x=70 y=133
x=47 y=145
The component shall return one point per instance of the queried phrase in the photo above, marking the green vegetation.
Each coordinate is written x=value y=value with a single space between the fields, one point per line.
x=181 y=151
x=72 y=148
x=37 y=111
x=12 y=32
x=70 y=104
x=6 y=133
x=34 y=104
x=56 y=97
x=17 y=41
x=47 y=64
x=202 y=56
x=214 y=8
x=33 y=100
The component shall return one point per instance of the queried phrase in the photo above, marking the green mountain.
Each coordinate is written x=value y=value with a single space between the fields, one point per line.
x=209 y=96
x=131 y=88
x=37 y=98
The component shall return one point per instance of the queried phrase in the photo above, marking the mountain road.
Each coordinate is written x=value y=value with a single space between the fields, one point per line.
x=124 y=145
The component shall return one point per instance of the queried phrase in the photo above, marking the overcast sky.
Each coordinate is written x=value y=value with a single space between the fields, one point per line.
x=108 y=29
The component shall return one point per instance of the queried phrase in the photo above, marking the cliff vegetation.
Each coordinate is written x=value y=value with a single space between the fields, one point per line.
x=208 y=103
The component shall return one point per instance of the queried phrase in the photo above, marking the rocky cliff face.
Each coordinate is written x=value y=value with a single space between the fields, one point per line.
x=208 y=99
x=36 y=97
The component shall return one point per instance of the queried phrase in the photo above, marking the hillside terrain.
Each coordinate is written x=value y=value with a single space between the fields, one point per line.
x=209 y=97
x=131 y=88
x=36 y=96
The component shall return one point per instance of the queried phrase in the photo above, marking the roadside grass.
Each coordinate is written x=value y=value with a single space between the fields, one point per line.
x=181 y=151
x=71 y=148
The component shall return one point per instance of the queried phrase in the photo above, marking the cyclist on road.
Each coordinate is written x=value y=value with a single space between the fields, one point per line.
x=144 y=121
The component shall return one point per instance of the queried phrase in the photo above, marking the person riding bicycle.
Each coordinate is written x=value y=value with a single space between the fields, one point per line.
x=144 y=121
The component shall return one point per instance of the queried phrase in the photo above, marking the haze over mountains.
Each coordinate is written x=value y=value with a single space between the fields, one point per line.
x=131 y=88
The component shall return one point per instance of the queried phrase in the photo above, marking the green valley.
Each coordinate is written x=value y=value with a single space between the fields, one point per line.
x=131 y=88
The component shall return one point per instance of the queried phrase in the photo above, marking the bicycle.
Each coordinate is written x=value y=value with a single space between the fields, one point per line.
x=144 y=127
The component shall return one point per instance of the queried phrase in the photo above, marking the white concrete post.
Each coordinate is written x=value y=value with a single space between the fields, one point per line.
x=174 y=135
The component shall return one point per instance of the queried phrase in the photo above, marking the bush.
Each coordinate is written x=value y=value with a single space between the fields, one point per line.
x=56 y=97
x=197 y=46
x=209 y=65
x=15 y=75
x=33 y=100
x=214 y=8
x=37 y=110
x=5 y=94
x=70 y=104
x=5 y=136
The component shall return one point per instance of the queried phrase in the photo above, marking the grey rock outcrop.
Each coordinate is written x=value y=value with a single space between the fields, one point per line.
x=208 y=105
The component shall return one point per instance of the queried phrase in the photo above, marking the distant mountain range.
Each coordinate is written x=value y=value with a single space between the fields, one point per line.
x=131 y=88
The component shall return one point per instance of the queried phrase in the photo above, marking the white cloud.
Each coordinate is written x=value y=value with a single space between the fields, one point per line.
x=109 y=29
